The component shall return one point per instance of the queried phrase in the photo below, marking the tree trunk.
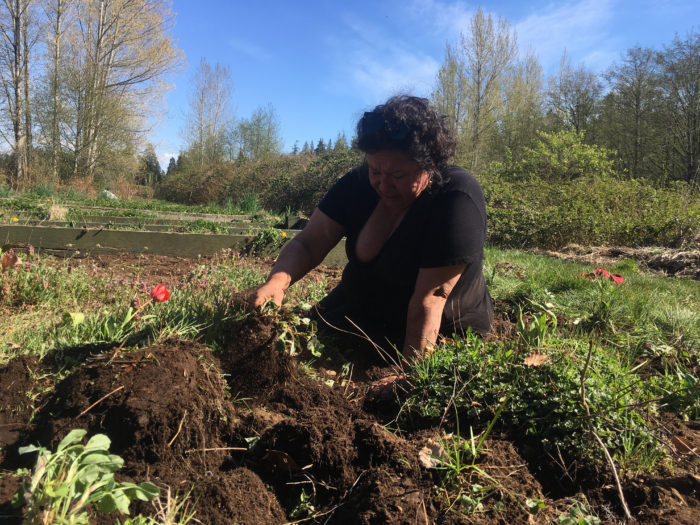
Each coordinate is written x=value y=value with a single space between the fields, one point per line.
x=27 y=117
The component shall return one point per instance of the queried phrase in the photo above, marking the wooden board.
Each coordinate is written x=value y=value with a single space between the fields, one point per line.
x=78 y=241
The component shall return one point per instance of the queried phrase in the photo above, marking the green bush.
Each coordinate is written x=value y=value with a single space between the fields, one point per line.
x=589 y=210
x=563 y=155
x=286 y=182
x=542 y=403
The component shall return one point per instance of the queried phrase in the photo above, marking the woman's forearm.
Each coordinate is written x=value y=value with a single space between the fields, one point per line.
x=293 y=263
x=422 y=326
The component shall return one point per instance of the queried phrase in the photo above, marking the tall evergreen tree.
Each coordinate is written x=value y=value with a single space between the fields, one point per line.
x=341 y=143
x=172 y=166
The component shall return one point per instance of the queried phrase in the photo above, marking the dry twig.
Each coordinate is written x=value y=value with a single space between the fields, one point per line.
x=628 y=515
x=99 y=401
x=215 y=449
x=179 y=428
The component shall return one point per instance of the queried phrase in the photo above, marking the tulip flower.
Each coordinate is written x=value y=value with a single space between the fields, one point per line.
x=160 y=293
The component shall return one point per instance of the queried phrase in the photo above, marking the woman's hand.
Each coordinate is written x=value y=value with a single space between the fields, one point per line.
x=268 y=291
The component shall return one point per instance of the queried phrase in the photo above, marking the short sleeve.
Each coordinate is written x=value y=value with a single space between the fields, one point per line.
x=455 y=231
x=350 y=200
x=333 y=203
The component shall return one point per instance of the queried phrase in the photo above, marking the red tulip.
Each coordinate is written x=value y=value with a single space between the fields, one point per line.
x=160 y=293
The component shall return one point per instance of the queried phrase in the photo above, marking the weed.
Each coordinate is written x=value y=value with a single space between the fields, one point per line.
x=266 y=239
x=539 y=327
x=63 y=484
x=577 y=514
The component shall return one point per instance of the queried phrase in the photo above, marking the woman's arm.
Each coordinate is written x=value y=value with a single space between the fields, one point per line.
x=301 y=254
x=433 y=287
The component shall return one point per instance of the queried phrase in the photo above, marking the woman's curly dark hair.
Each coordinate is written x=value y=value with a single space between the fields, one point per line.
x=411 y=125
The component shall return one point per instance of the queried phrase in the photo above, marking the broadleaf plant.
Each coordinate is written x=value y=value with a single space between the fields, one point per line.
x=65 y=483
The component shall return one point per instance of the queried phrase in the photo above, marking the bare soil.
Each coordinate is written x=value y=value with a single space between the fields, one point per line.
x=250 y=432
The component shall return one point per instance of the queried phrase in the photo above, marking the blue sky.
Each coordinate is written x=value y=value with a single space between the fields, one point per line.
x=322 y=63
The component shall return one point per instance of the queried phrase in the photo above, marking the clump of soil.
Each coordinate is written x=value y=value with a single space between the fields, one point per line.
x=183 y=418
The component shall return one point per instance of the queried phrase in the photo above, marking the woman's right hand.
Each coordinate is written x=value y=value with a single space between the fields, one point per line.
x=268 y=291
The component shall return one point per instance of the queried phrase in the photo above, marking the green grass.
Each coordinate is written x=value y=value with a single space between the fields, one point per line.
x=646 y=307
x=38 y=200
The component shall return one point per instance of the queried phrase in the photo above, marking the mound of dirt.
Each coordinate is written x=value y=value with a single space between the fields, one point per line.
x=19 y=384
x=258 y=441
x=250 y=432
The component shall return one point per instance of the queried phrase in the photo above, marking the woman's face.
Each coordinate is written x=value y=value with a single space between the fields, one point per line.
x=397 y=178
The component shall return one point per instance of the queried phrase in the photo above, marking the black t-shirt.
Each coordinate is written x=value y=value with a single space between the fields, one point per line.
x=445 y=226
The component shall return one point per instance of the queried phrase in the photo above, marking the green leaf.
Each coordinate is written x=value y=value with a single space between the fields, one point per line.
x=107 y=503
x=145 y=491
x=121 y=500
x=74 y=436
x=73 y=318
x=98 y=442
x=28 y=449
x=535 y=505
x=90 y=475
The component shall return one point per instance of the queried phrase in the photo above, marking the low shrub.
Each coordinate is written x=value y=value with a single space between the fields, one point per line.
x=589 y=210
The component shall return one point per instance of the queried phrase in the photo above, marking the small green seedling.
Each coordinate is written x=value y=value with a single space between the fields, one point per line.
x=64 y=484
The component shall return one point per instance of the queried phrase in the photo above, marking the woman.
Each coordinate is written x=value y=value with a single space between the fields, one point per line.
x=415 y=229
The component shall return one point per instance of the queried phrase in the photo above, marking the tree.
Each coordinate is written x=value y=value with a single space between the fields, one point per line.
x=120 y=51
x=574 y=94
x=631 y=110
x=681 y=84
x=469 y=85
x=320 y=147
x=58 y=15
x=523 y=114
x=450 y=94
x=259 y=136
x=150 y=172
x=14 y=51
x=172 y=167
x=341 y=143
x=209 y=112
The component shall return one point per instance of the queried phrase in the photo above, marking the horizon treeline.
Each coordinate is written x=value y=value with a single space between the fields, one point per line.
x=82 y=79
x=645 y=107
x=642 y=113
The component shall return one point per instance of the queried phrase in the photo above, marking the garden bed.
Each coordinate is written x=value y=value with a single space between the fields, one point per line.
x=251 y=432
x=259 y=437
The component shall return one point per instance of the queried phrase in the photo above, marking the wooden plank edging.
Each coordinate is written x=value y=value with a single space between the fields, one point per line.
x=80 y=241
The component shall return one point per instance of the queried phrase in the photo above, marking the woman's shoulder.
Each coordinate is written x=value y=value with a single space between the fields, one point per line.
x=456 y=178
